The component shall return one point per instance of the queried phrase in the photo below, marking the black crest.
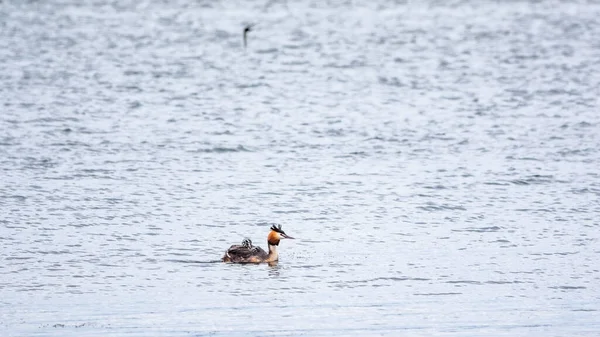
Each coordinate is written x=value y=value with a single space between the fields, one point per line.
x=277 y=228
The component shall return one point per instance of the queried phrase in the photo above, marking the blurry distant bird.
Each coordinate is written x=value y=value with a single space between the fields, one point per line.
x=246 y=31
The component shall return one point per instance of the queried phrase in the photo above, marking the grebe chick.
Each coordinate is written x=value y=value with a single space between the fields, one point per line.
x=247 y=253
x=247 y=243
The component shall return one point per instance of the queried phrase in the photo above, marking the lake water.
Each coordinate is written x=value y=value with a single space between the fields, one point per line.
x=437 y=161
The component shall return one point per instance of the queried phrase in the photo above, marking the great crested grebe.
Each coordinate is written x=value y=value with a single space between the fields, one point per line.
x=246 y=253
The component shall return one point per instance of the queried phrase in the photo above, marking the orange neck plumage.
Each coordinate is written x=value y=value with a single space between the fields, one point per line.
x=273 y=238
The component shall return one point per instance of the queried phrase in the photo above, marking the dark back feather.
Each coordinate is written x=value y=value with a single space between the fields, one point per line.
x=238 y=253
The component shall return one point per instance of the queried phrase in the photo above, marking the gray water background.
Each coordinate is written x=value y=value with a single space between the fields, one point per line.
x=437 y=161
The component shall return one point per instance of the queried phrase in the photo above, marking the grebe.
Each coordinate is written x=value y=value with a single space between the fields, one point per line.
x=247 y=253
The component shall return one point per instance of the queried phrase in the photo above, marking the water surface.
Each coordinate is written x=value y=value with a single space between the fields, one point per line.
x=437 y=162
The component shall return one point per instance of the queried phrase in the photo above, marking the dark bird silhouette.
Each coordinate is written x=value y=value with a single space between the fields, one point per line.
x=246 y=31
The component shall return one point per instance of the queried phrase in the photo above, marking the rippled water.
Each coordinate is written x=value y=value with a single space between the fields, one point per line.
x=437 y=161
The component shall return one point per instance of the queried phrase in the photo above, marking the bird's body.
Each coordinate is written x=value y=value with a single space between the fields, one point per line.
x=247 y=253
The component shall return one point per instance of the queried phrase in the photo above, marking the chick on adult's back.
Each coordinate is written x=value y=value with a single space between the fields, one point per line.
x=247 y=253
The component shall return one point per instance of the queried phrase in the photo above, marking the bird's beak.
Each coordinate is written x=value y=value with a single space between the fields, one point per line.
x=285 y=236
